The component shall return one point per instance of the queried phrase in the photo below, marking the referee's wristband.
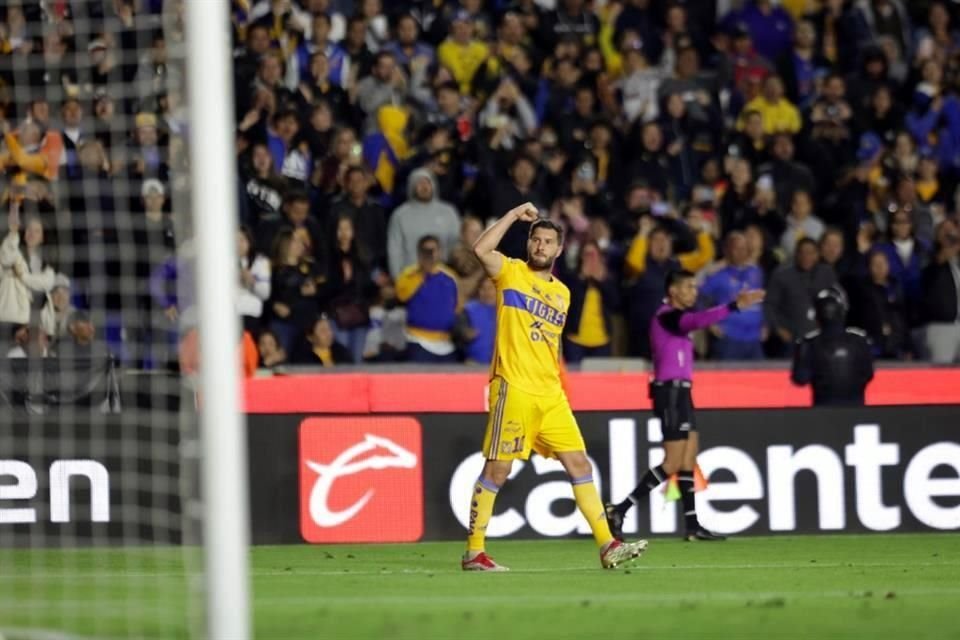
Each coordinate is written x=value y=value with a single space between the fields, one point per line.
x=733 y=306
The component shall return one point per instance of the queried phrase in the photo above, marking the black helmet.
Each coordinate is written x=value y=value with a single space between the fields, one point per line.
x=831 y=306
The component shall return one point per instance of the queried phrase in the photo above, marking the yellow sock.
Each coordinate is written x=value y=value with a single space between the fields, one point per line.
x=588 y=501
x=481 y=509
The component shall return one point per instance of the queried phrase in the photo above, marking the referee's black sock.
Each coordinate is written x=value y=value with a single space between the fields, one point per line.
x=651 y=479
x=685 y=480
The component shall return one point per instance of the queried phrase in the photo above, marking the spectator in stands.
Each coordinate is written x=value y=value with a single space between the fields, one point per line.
x=759 y=252
x=350 y=289
x=788 y=307
x=464 y=261
x=25 y=276
x=80 y=342
x=272 y=355
x=800 y=66
x=740 y=336
x=752 y=144
x=477 y=324
x=878 y=306
x=765 y=211
x=906 y=254
x=367 y=216
x=320 y=348
x=593 y=301
x=639 y=84
x=508 y=193
x=407 y=49
x=387 y=84
x=651 y=163
x=321 y=90
x=461 y=53
x=149 y=155
x=387 y=337
x=30 y=342
x=779 y=114
x=255 y=277
x=737 y=206
x=509 y=116
x=58 y=308
x=883 y=116
x=28 y=152
x=941 y=296
x=770 y=26
x=264 y=196
x=294 y=291
x=72 y=134
x=351 y=58
x=345 y=152
x=296 y=210
x=801 y=222
x=787 y=174
x=429 y=291
x=318 y=42
x=834 y=254
x=422 y=214
x=648 y=262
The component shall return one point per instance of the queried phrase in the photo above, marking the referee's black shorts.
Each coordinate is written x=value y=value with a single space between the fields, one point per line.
x=673 y=404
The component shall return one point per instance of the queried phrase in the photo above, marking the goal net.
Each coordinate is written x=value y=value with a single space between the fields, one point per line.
x=100 y=448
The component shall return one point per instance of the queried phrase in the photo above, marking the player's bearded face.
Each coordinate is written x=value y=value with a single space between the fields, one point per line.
x=542 y=249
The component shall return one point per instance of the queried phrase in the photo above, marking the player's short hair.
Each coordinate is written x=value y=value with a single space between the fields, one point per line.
x=676 y=276
x=548 y=224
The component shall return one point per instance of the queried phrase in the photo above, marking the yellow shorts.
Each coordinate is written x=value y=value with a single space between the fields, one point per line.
x=520 y=422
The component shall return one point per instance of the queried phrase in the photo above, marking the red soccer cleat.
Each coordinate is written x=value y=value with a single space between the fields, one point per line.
x=481 y=562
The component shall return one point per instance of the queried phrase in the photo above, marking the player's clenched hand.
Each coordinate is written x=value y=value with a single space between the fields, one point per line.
x=750 y=297
x=526 y=212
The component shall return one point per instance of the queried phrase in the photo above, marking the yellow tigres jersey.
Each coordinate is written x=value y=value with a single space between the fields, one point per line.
x=531 y=313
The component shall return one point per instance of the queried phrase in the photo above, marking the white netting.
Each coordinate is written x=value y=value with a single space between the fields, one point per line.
x=96 y=445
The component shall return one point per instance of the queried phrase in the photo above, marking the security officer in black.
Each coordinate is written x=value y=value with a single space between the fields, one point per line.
x=838 y=362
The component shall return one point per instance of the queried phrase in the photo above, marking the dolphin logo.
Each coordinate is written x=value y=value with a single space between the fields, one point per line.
x=345 y=464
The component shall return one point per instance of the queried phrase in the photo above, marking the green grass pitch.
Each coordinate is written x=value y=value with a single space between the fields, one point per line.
x=872 y=586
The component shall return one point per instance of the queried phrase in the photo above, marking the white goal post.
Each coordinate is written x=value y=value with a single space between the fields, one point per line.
x=223 y=464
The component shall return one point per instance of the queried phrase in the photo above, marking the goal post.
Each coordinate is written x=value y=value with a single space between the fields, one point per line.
x=213 y=173
x=123 y=486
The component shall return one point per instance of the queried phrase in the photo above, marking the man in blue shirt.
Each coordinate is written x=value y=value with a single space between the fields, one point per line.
x=740 y=335
x=770 y=27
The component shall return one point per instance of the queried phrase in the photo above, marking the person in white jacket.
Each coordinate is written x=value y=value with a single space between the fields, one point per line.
x=25 y=279
x=254 y=281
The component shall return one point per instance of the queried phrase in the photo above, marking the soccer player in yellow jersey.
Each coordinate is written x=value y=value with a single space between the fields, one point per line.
x=529 y=410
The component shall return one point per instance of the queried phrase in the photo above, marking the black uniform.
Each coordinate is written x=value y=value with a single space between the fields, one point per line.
x=837 y=362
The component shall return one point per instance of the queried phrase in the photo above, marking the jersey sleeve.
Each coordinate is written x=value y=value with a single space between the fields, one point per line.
x=508 y=272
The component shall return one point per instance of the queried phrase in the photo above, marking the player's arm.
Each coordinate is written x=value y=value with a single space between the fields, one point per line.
x=485 y=248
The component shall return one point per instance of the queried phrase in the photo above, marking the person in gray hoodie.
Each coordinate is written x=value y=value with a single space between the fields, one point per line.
x=422 y=214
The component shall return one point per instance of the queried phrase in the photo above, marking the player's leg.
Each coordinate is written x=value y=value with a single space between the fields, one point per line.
x=675 y=431
x=560 y=435
x=502 y=443
x=484 y=495
x=613 y=552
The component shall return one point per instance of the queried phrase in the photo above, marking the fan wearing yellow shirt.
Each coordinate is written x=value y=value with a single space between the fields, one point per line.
x=461 y=53
x=529 y=410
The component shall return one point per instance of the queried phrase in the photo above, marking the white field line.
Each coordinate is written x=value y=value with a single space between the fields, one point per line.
x=759 y=599
x=637 y=566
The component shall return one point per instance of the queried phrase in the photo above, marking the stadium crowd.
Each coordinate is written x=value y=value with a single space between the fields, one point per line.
x=787 y=145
